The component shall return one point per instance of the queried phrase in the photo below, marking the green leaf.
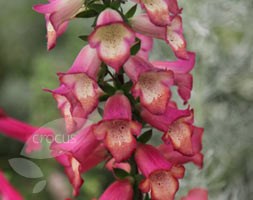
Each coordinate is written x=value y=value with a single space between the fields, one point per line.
x=130 y=13
x=120 y=173
x=104 y=97
x=147 y=197
x=107 y=88
x=127 y=86
x=97 y=7
x=145 y=137
x=87 y=14
x=115 y=5
x=84 y=37
x=136 y=47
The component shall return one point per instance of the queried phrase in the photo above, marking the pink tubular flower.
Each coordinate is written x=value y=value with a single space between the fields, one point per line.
x=117 y=128
x=151 y=85
x=160 y=11
x=22 y=132
x=78 y=155
x=172 y=33
x=53 y=34
x=112 y=38
x=7 y=192
x=178 y=158
x=121 y=189
x=57 y=14
x=163 y=121
x=184 y=137
x=79 y=92
x=161 y=176
x=196 y=194
x=182 y=77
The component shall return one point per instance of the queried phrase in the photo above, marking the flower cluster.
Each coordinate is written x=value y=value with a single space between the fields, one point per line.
x=115 y=67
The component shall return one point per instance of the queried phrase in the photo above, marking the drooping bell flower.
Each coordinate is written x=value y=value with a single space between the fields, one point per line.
x=178 y=158
x=53 y=34
x=117 y=129
x=112 y=38
x=78 y=155
x=121 y=189
x=163 y=121
x=196 y=194
x=22 y=132
x=184 y=136
x=182 y=77
x=172 y=33
x=160 y=12
x=151 y=85
x=58 y=13
x=161 y=178
x=79 y=92
x=7 y=192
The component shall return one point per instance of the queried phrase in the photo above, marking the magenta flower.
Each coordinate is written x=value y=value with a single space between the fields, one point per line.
x=22 y=132
x=78 y=155
x=184 y=137
x=172 y=33
x=79 y=92
x=7 y=192
x=178 y=158
x=161 y=177
x=182 y=77
x=112 y=38
x=57 y=14
x=117 y=129
x=151 y=85
x=163 y=121
x=196 y=194
x=160 y=12
x=121 y=189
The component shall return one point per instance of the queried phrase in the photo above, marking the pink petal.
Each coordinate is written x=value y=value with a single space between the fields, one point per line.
x=118 y=190
x=184 y=83
x=52 y=34
x=146 y=45
x=162 y=122
x=87 y=62
x=143 y=25
x=149 y=159
x=113 y=43
x=196 y=194
x=118 y=138
x=78 y=155
x=108 y=16
x=180 y=135
x=76 y=97
x=112 y=164
x=117 y=107
x=173 y=7
x=60 y=10
x=23 y=132
x=7 y=192
x=153 y=88
x=158 y=11
x=176 y=157
x=135 y=66
x=180 y=66
x=163 y=185
x=176 y=39
x=197 y=139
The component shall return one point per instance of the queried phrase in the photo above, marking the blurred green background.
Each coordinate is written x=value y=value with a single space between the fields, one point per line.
x=220 y=32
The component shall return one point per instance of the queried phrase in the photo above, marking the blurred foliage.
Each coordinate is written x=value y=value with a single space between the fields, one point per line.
x=221 y=34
